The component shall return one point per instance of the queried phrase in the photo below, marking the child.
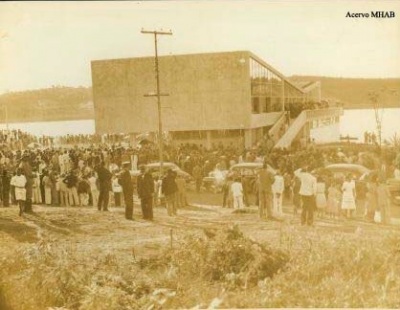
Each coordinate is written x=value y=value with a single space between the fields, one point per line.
x=19 y=182
x=83 y=191
x=117 y=190
x=237 y=193
x=277 y=191
x=349 y=196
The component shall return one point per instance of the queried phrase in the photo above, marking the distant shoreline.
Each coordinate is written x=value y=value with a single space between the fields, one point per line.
x=370 y=107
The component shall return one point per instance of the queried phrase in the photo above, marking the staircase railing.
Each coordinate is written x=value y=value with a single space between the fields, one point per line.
x=307 y=115
x=286 y=140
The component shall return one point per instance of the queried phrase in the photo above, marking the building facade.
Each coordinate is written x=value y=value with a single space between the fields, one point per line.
x=226 y=97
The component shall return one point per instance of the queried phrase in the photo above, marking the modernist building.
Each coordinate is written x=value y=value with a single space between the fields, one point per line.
x=212 y=97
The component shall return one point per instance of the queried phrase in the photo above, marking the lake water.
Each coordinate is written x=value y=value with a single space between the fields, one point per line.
x=58 y=128
x=353 y=123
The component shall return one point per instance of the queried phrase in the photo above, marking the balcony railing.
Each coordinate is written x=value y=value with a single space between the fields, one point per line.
x=323 y=113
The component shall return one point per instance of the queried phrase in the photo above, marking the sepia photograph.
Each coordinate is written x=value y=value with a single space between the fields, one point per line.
x=199 y=154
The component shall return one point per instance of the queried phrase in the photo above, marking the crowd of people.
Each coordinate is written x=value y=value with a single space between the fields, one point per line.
x=86 y=175
x=300 y=179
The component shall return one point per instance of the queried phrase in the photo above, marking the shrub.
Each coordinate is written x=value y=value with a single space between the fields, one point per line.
x=226 y=255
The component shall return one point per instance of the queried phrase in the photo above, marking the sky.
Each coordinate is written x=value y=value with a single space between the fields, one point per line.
x=52 y=43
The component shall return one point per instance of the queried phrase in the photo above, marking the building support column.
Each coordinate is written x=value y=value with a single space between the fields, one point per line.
x=248 y=141
x=208 y=139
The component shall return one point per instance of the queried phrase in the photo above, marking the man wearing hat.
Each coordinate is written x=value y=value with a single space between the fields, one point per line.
x=145 y=190
x=27 y=171
x=125 y=181
x=104 y=176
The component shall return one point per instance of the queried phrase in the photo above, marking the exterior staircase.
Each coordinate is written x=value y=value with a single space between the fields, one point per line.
x=305 y=117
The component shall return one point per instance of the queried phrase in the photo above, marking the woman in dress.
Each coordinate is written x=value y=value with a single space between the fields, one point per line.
x=349 y=196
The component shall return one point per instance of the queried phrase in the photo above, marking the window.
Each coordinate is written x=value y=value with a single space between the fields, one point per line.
x=255 y=105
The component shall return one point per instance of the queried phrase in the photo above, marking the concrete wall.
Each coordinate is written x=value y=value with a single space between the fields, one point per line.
x=264 y=119
x=206 y=91
x=326 y=134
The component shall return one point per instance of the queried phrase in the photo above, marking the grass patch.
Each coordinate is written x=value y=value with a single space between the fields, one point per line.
x=222 y=268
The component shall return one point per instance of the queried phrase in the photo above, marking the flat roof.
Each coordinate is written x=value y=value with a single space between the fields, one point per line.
x=249 y=54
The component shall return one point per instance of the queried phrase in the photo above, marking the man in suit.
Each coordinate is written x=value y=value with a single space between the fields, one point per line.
x=125 y=181
x=104 y=177
x=145 y=190
x=27 y=171
x=169 y=189
x=265 y=180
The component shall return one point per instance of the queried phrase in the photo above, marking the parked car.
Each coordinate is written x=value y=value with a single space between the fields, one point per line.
x=340 y=171
x=154 y=169
x=214 y=180
x=246 y=169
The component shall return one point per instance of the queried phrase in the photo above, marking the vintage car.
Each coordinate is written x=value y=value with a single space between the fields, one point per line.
x=339 y=172
x=342 y=170
x=246 y=170
x=154 y=168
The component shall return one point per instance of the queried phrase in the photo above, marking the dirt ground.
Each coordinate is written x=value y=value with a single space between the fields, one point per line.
x=87 y=229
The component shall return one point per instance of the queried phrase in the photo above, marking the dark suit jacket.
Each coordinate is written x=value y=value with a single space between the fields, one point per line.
x=145 y=185
x=125 y=181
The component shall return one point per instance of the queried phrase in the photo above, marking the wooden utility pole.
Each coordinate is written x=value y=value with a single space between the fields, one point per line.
x=158 y=94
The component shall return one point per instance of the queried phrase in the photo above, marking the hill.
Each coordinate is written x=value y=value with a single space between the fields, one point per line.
x=353 y=93
x=50 y=104
x=74 y=103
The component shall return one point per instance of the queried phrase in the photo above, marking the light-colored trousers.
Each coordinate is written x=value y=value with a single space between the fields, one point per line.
x=47 y=195
x=238 y=202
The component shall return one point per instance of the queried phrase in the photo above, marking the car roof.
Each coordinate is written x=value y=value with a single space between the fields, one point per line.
x=354 y=167
x=157 y=164
x=251 y=165
x=248 y=165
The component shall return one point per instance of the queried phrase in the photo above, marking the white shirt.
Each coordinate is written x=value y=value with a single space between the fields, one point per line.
x=279 y=184
x=116 y=188
x=308 y=185
x=18 y=181
x=92 y=182
x=237 y=189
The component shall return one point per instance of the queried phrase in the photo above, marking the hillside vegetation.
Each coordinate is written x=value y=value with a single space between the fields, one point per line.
x=50 y=104
x=73 y=103
x=353 y=93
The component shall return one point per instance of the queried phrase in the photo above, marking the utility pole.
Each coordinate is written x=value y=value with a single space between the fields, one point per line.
x=158 y=94
x=6 y=108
